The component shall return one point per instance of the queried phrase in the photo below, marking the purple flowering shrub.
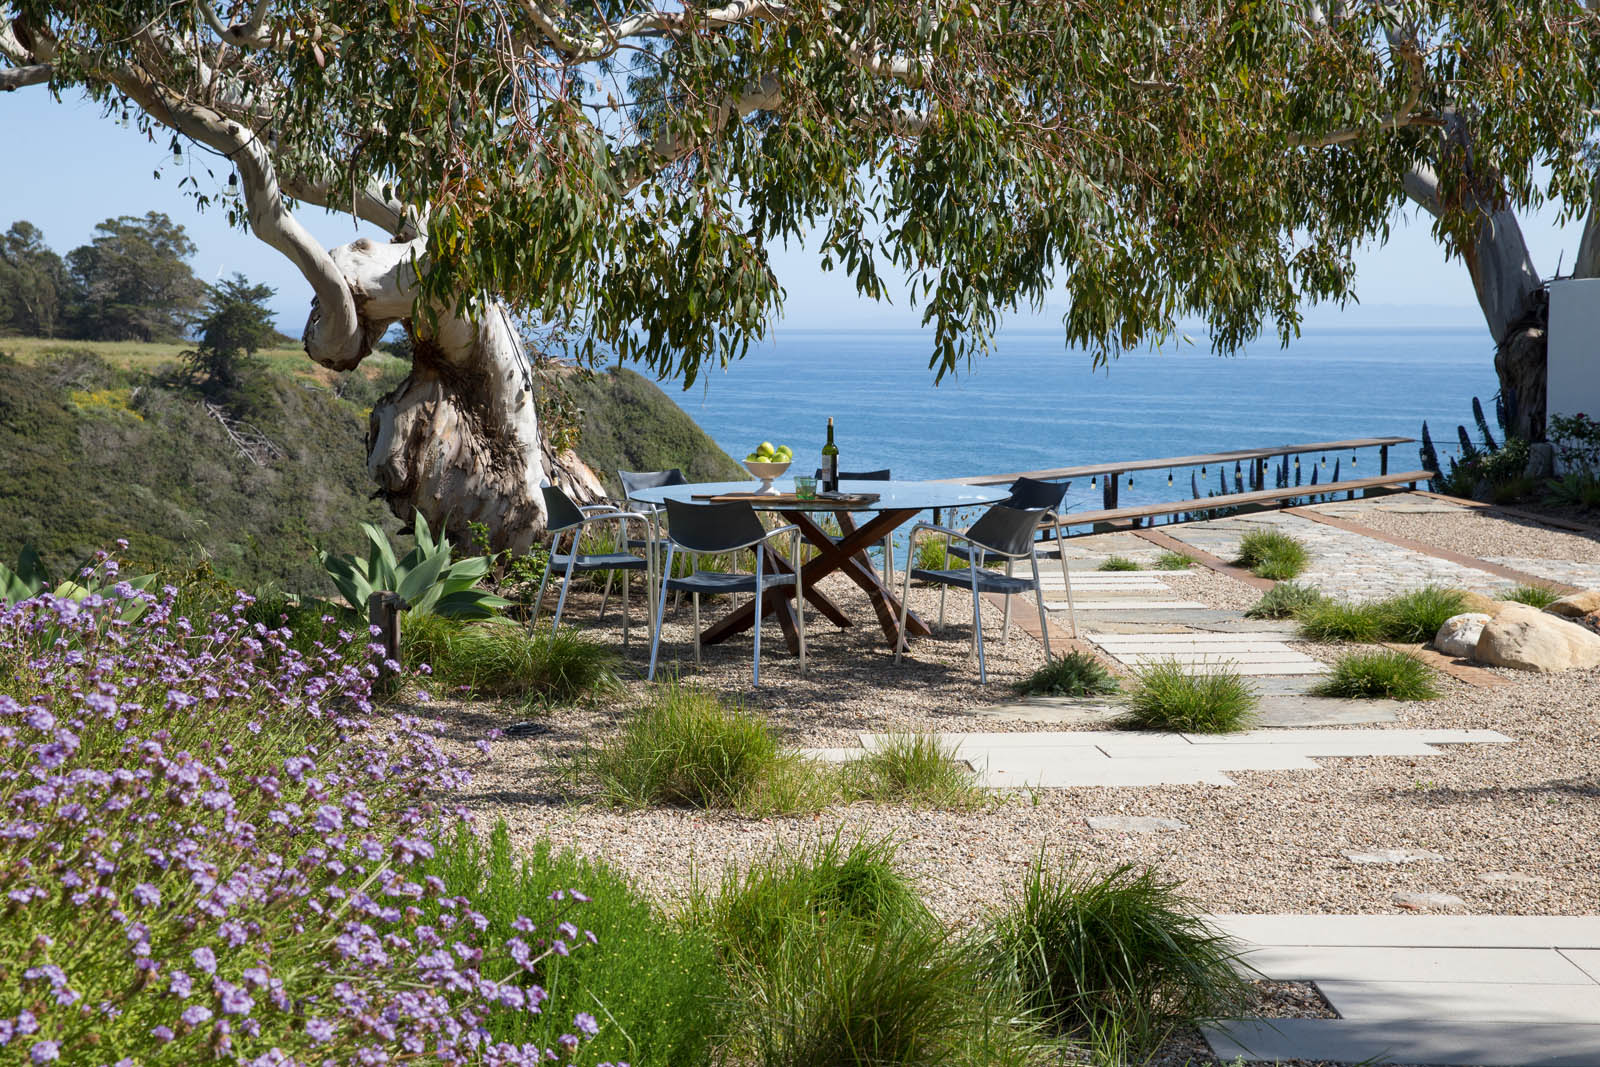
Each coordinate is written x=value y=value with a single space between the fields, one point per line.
x=210 y=848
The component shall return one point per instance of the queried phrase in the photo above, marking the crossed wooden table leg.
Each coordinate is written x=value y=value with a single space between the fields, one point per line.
x=848 y=554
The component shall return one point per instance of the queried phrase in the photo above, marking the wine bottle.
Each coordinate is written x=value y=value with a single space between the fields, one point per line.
x=830 y=463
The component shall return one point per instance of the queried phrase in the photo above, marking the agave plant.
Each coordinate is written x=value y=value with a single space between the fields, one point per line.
x=425 y=578
x=30 y=579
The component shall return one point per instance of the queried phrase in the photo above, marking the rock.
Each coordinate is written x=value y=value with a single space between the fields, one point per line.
x=1135 y=824
x=1512 y=878
x=1392 y=855
x=1541 y=461
x=1478 y=604
x=1528 y=639
x=1576 y=605
x=1459 y=635
x=1429 y=902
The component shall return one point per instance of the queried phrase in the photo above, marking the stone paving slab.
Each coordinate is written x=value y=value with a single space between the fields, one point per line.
x=1025 y=769
x=1487 y=1044
x=1566 y=571
x=1365 y=999
x=1086 y=604
x=1392 y=963
x=1277 y=709
x=1586 y=960
x=1578 y=932
x=1443 y=736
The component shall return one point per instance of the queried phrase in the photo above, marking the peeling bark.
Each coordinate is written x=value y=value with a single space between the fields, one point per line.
x=459 y=440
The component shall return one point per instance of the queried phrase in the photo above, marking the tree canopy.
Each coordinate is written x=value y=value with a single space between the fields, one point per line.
x=34 y=289
x=625 y=166
x=133 y=281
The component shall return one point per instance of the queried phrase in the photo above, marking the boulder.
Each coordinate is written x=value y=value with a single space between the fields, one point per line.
x=1541 y=461
x=1459 y=635
x=1478 y=604
x=1577 y=605
x=1532 y=640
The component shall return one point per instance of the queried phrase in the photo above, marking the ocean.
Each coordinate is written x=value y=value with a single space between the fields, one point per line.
x=1032 y=404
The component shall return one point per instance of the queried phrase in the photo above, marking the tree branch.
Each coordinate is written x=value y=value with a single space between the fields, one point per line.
x=245 y=34
x=334 y=333
x=18 y=77
x=1404 y=115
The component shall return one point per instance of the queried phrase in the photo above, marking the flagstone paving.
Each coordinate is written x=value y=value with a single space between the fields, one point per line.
x=1261 y=653
x=1484 y=990
x=1120 y=758
x=1343 y=563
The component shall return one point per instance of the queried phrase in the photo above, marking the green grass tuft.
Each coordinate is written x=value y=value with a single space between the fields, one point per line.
x=1076 y=674
x=1207 y=700
x=1342 y=620
x=913 y=767
x=1538 y=596
x=1286 y=600
x=1120 y=958
x=1384 y=673
x=1416 y=615
x=1118 y=563
x=931 y=555
x=687 y=747
x=658 y=989
x=1272 y=554
x=1173 y=561
x=501 y=659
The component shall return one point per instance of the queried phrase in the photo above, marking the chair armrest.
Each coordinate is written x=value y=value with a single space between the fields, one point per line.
x=962 y=535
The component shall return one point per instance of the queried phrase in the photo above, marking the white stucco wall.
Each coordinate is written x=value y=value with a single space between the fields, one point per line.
x=1574 y=376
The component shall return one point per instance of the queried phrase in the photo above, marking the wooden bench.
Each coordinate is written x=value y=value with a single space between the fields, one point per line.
x=1232 y=500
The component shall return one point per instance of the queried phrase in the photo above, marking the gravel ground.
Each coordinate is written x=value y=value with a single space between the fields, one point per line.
x=1482 y=533
x=1211 y=588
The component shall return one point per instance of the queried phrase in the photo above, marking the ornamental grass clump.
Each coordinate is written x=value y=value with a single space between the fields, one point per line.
x=1117 y=563
x=1383 y=673
x=687 y=747
x=917 y=768
x=1076 y=674
x=1286 y=600
x=1415 y=616
x=1273 y=554
x=209 y=850
x=1204 y=700
x=1173 y=561
x=1535 y=596
x=500 y=659
x=1118 y=958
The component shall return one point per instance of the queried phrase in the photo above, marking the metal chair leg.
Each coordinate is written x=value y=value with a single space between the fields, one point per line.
x=625 y=577
x=942 y=587
x=800 y=603
x=977 y=631
x=661 y=605
x=1066 y=580
x=1044 y=621
x=755 y=655
x=605 y=596
x=905 y=608
x=1005 y=625
x=544 y=580
x=696 y=598
x=566 y=584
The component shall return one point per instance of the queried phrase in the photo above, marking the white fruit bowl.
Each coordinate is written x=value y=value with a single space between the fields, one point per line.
x=766 y=472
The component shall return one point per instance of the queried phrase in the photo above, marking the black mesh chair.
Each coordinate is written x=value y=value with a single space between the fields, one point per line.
x=718 y=529
x=565 y=517
x=632 y=482
x=1003 y=532
x=888 y=545
x=1027 y=494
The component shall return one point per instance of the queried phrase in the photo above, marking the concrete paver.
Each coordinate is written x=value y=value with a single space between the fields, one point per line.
x=1452 y=1041
x=1366 y=999
x=1515 y=966
x=1422 y=931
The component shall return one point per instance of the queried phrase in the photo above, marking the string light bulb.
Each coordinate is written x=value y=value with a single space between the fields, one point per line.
x=1130 y=481
x=1094 y=482
x=1169 y=477
x=1352 y=459
x=177 y=153
x=232 y=192
x=124 y=120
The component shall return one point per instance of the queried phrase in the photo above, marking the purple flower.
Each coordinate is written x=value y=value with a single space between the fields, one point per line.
x=195 y=1015
x=147 y=894
x=180 y=984
x=45 y=1052
x=319 y=1030
x=204 y=959
x=329 y=819
x=162 y=1034
x=585 y=1022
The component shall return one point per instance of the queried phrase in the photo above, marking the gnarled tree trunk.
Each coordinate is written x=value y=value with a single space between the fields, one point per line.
x=459 y=440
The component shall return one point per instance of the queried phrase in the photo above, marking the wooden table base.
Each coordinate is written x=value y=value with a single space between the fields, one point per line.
x=848 y=555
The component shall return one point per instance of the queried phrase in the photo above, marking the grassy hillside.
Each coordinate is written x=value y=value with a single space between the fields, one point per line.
x=630 y=424
x=95 y=445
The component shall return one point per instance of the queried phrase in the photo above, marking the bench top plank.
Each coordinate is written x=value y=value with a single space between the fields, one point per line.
x=1261 y=496
x=1240 y=455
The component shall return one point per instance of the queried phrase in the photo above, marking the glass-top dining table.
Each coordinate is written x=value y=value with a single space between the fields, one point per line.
x=897 y=503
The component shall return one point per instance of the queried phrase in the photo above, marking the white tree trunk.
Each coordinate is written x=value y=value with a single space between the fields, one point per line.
x=459 y=439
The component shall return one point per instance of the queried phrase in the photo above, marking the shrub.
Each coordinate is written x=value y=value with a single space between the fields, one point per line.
x=1124 y=953
x=501 y=659
x=658 y=986
x=425 y=578
x=913 y=767
x=1538 y=596
x=1117 y=563
x=688 y=747
x=1207 y=700
x=241 y=788
x=1416 y=615
x=1578 y=489
x=1075 y=674
x=1286 y=600
x=931 y=555
x=836 y=961
x=1383 y=673
x=1272 y=554
x=1173 y=561
x=1342 y=620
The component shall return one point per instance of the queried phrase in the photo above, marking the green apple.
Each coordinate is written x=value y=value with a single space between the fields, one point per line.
x=765 y=447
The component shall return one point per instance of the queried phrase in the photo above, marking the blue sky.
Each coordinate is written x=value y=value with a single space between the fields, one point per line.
x=70 y=168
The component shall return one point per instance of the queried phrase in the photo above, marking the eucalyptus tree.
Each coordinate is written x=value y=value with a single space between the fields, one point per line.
x=620 y=169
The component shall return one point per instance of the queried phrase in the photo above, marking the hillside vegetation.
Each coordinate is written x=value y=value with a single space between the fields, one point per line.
x=98 y=441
